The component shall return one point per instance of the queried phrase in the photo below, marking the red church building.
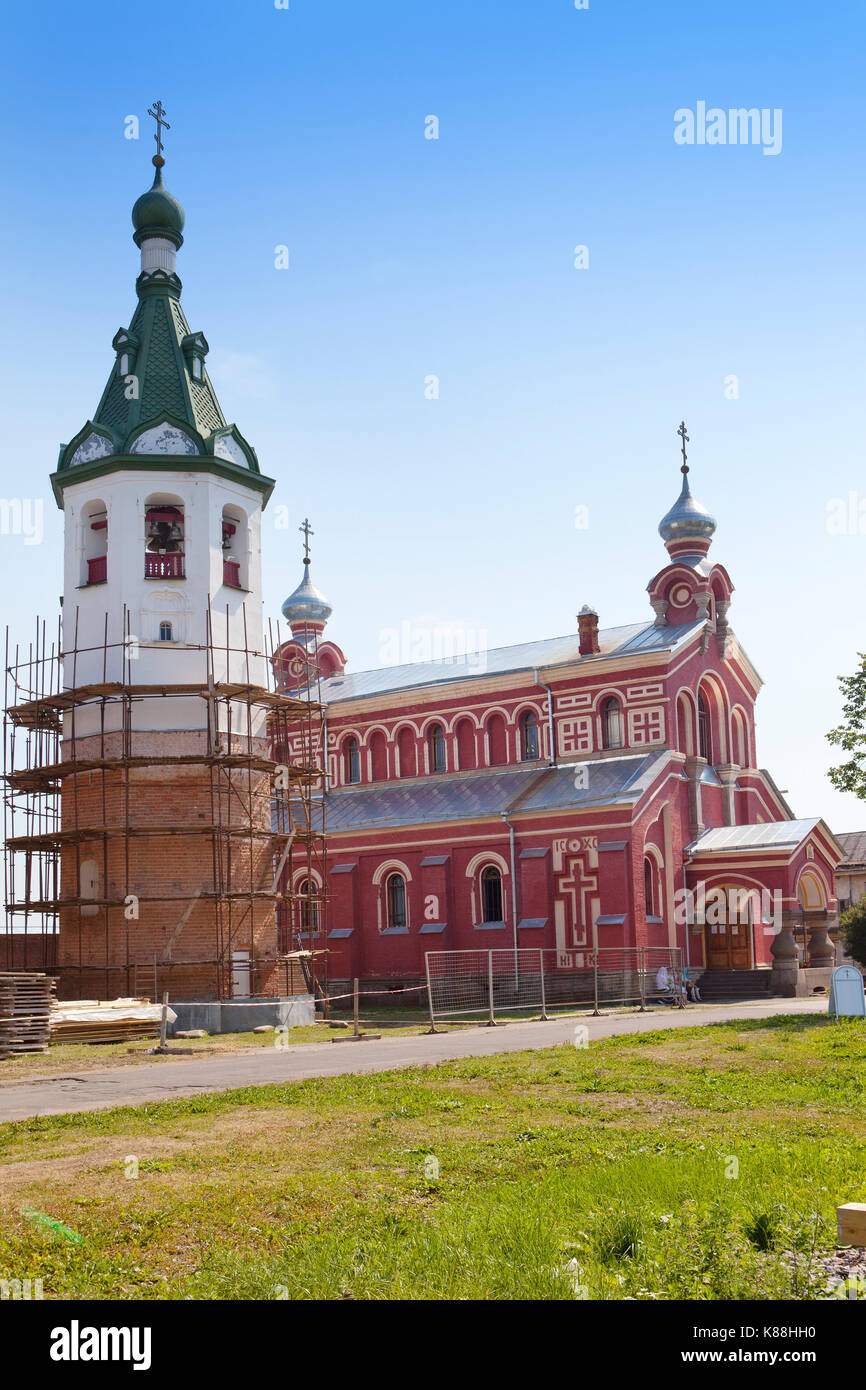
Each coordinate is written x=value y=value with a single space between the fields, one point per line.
x=592 y=790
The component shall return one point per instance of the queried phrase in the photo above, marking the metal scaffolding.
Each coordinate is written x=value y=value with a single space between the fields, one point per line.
x=77 y=760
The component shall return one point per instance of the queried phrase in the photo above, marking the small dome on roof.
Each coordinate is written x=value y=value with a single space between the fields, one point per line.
x=687 y=518
x=157 y=213
x=306 y=604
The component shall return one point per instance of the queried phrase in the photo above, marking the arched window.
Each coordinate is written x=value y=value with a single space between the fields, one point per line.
x=164 y=540
x=649 y=888
x=611 y=719
x=234 y=548
x=529 y=735
x=491 y=894
x=94 y=519
x=705 y=747
x=436 y=740
x=166 y=632
x=351 y=761
x=395 y=900
x=308 y=906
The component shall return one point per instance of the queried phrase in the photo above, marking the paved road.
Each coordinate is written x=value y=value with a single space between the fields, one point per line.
x=169 y=1078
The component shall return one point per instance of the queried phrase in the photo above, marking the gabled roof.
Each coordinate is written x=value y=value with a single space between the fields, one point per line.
x=780 y=834
x=465 y=797
x=635 y=639
x=854 y=847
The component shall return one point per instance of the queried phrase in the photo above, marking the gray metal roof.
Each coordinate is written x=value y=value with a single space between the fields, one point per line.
x=779 y=834
x=854 y=844
x=525 y=656
x=427 y=799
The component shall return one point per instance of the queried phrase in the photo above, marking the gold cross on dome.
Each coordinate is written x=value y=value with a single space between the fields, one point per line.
x=685 y=440
x=158 y=113
x=308 y=531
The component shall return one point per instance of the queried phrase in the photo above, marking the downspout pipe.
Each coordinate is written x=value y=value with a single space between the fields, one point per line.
x=687 y=859
x=550 y=729
x=513 y=879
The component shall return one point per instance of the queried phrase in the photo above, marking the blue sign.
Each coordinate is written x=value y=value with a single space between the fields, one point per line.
x=847 y=999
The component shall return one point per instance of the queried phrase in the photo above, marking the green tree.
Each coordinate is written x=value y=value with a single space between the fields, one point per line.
x=850 y=735
x=853 y=924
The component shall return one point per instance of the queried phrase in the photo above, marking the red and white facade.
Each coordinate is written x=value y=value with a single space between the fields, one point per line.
x=592 y=790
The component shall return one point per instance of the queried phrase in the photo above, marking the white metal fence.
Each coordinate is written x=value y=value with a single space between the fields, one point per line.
x=485 y=984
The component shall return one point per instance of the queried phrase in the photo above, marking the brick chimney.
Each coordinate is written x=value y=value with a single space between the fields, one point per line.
x=587 y=628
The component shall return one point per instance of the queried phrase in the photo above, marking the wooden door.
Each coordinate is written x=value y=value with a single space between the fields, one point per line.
x=729 y=946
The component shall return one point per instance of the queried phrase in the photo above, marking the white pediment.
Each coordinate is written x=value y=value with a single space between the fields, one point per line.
x=227 y=447
x=95 y=446
x=164 y=439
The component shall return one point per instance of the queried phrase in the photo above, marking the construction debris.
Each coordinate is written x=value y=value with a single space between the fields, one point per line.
x=25 y=1010
x=112 y=1020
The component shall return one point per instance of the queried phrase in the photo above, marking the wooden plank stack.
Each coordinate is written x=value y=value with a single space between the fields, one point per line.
x=104 y=1020
x=26 y=998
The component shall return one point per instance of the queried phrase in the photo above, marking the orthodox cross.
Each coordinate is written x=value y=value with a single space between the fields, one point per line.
x=685 y=440
x=158 y=113
x=308 y=531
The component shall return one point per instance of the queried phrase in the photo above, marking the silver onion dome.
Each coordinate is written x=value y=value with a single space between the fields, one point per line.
x=306 y=603
x=687 y=517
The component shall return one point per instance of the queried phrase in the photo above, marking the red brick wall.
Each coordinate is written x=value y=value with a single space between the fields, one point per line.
x=101 y=953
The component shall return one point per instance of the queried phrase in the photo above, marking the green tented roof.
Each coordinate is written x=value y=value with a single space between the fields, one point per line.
x=165 y=383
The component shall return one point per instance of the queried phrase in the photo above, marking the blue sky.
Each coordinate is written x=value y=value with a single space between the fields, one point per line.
x=558 y=388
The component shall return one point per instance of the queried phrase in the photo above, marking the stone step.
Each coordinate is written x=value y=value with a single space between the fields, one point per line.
x=734 y=984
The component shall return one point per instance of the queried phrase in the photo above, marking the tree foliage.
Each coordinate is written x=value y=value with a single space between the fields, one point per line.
x=850 y=735
x=853 y=924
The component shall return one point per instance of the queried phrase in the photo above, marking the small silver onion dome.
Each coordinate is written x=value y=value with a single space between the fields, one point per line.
x=306 y=604
x=687 y=517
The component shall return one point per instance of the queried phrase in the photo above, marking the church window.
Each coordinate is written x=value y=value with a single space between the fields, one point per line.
x=233 y=539
x=395 y=898
x=196 y=368
x=309 y=907
x=649 y=888
x=164 y=540
x=611 y=714
x=491 y=894
x=166 y=632
x=124 y=363
x=529 y=735
x=352 y=760
x=95 y=538
x=704 y=741
x=437 y=748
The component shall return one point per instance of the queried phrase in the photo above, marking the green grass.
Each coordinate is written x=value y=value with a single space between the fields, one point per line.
x=686 y=1164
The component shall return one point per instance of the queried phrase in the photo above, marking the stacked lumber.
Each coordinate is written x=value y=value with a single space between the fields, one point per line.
x=104 y=1020
x=26 y=998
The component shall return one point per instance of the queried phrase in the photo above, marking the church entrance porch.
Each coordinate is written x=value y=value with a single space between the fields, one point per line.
x=764 y=896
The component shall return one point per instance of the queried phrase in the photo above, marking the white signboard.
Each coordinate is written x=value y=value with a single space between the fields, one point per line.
x=847 y=999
